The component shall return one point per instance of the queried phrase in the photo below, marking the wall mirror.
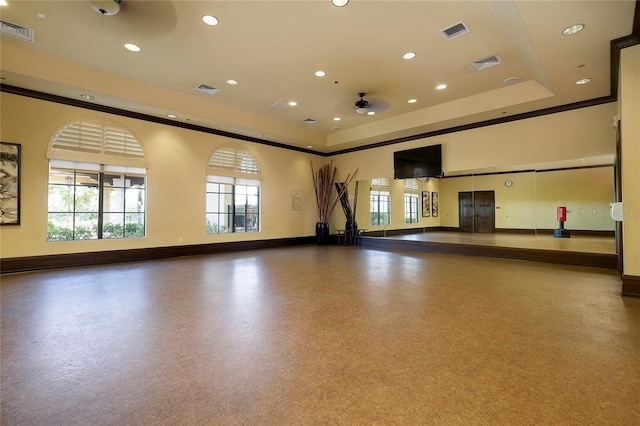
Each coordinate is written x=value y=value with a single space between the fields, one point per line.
x=508 y=209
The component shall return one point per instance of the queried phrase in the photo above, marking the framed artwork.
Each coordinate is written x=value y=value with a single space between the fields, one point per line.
x=434 y=204
x=9 y=183
x=426 y=204
x=296 y=200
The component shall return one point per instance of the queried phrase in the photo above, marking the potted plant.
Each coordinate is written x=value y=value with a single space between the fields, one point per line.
x=323 y=182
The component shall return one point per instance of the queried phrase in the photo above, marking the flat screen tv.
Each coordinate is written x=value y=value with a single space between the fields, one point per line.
x=418 y=163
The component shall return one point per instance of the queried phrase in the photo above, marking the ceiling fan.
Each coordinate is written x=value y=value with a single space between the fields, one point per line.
x=137 y=19
x=370 y=108
x=105 y=7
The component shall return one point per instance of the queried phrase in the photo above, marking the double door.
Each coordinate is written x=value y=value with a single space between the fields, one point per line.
x=477 y=211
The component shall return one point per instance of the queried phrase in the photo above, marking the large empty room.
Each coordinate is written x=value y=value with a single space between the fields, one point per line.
x=320 y=212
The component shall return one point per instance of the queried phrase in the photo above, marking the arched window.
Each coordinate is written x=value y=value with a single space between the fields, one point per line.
x=232 y=191
x=380 y=201
x=97 y=182
x=411 y=200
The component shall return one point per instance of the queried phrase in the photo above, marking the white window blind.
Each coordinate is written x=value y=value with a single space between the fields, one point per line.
x=118 y=141
x=231 y=158
x=411 y=184
x=380 y=183
x=79 y=136
x=96 y=140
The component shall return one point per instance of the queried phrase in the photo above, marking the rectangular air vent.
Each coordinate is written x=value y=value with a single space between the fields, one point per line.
x=309 y=121
x=17 y=31
x=483 y=64
x=207 y=90
x=278 y=105
x=456 y=30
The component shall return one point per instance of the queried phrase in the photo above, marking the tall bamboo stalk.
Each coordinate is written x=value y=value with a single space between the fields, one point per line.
x=323 y=182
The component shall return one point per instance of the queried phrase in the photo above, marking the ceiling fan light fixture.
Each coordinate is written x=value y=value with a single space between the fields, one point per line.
x=361 y=105
x=371 y=113
x=105 y=7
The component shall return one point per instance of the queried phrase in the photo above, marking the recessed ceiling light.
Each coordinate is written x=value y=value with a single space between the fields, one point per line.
x=583 y=81
x=511 y=80
x=573 y=29
x=87 y=97
x=409 y=55
x=320 y=73
x=309 y=146
x=132 y=47
x=337 y=118
x=259 y=135
x=293 y=103
x=371 y=113
x=210 y=20
x=3 y=2
x=339 y=3
x=172 y=116
x=441 y=86
x=412 y=101
x=232 y=82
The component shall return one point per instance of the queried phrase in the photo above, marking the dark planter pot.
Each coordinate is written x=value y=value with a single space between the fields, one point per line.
x=351 y=232
x=322 y=233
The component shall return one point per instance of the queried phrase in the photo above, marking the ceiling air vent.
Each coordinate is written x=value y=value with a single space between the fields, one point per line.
x=454 y=31
x=278 y=105
x=207 y=90
x=309 y=121
x=483 y=64
x=17 y=31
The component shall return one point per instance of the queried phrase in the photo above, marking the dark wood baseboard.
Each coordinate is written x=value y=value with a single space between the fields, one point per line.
x=552 y=256
x=631 y=285
x=34 y=263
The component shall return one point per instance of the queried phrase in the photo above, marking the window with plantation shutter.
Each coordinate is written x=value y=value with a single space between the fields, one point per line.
x=380 y=183
x=411 y=200
x=97 y=182
x=98 y=141
x=411 y=184
x=232 y=191
x=380 y=202
x=118 y=141
x=79 y=136
x=232 y=158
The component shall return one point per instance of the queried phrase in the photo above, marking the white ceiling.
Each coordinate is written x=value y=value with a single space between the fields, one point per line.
x=273 y=48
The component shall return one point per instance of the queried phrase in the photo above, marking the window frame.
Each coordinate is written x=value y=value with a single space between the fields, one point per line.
x=376 y=197
x=250 y=218
x=99 y=172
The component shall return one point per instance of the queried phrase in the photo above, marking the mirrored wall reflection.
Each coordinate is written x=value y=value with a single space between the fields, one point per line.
x=515 y=209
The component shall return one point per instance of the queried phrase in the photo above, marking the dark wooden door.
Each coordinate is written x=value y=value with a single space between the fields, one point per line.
x=485 y=207
x=467 y=215
x=477 y=211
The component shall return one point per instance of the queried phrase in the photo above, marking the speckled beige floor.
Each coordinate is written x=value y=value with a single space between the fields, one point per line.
x=320 y=335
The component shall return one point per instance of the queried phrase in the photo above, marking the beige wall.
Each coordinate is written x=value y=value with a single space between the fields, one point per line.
x=630 y=119
x=177 y=160
x=570 y=135
x=176 y=183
